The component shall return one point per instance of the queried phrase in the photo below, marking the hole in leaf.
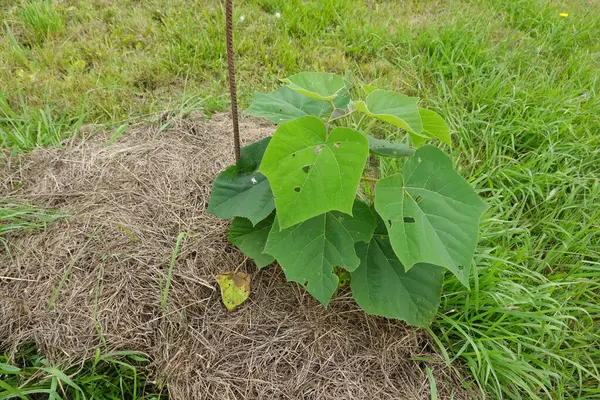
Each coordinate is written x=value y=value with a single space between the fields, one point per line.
x=418 y=199
x=305 y=284
x=337 y=145
x=318 y=149
x=461 y=268
x=409 y=220
x=390 y=222
x=341 y=217
x=305 y=169
x=293 y=154
x=297 y=189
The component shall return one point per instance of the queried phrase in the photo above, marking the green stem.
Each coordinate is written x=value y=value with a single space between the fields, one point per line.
x=370 y=126
x=360 y=121
x=366 y=178
x=368 y=190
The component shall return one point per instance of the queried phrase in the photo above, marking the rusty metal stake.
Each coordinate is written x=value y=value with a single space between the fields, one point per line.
x=232 y=88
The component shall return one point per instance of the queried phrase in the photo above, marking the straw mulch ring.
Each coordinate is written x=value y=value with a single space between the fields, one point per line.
x=95 y=280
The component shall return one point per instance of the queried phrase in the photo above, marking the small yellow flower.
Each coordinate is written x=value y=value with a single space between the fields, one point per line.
x=564 y=15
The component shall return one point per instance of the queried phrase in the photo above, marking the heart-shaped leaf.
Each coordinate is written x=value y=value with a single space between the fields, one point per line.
x=431 y=213
x=434 y=126
x=381 y=286
x=285 y=104
x=361 y=223
x=309 y=251
x=311 y=172
x=368 y=89
x=389 y=149
x=242 y=191
x=252 y=239
x=393 y=108
x=317 y=85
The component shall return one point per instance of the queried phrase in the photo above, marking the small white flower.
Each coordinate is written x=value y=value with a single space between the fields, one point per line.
x=242 y=18
x=277 y=15
x=254 y=181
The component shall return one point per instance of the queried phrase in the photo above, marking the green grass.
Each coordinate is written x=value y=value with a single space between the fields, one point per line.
x=41 y=18
x=517 y=82
x=528 y=131
x=18 y=216
x=528 y=136
x=116 y=375
x=29 y=375
x=24 y=129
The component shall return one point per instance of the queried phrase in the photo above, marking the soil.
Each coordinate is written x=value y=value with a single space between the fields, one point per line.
x=95 y=279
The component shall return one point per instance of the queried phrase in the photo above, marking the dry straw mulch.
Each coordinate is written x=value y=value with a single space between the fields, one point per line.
x=128 y=202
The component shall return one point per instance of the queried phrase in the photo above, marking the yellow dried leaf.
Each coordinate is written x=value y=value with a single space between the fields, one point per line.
x=235 y=288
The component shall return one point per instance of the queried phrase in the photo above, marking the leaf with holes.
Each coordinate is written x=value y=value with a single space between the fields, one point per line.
x=311 y=172
x=294 y=199
x=393 y=108
x=381 y=286
x=389 y=149
x=431 y=213
x=242 y=191
x=252 y=239
x=317 y=85
x=434 y=126
x=285 y=104
x=309 y=251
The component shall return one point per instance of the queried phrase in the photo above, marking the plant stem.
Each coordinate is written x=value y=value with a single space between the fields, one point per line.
x=366 y=178
x=360 y=121
x=368 y=191
x=370 y=125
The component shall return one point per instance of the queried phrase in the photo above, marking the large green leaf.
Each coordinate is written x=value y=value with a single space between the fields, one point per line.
x=242 y=191
x=317 y=85
x=285 y=104
x=252 y=239
x=309 y=251
x=361 y=223
x=431 y=212
x=389 y=149
x=434 y=126
x=381 y=286
x=393 y=108
x=311 y=172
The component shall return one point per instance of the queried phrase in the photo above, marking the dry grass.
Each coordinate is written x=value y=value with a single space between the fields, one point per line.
x=128 y=203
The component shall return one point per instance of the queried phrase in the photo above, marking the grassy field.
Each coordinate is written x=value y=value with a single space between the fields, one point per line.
x=106 y=376
x=518 y=83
